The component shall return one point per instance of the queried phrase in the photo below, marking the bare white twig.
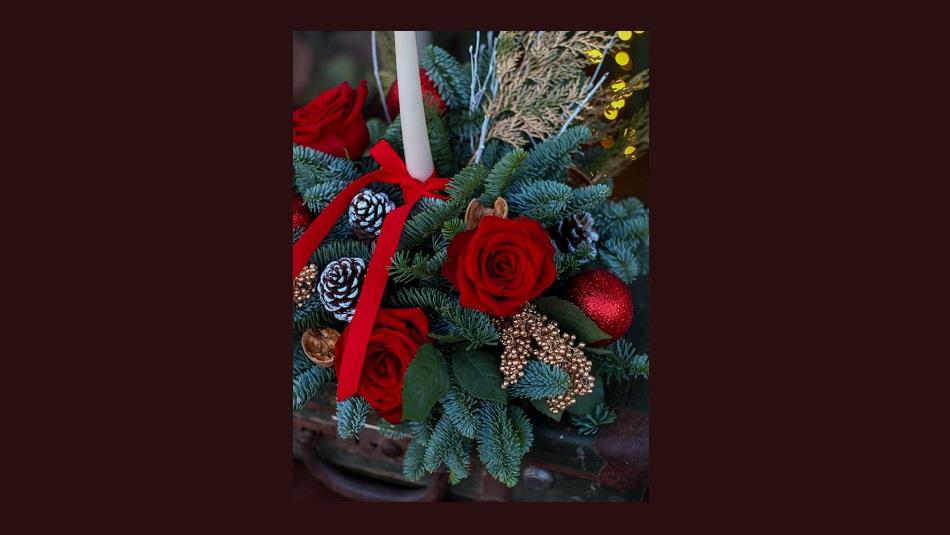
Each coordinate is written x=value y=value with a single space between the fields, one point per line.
x=603 y=58
x=379 y=84
x=583 y=103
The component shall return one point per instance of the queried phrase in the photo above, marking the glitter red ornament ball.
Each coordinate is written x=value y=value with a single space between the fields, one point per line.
x=429 y=94
x=301 y=214
x=605 y=299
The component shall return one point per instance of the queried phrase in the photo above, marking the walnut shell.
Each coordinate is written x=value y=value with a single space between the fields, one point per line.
x=319 y=345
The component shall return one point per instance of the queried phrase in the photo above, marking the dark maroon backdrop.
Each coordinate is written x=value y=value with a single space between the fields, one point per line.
x=184 y=410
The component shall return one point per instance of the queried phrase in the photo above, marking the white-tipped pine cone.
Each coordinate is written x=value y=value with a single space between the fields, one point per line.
x=572 y=231
x=339 y=286
x=366 y=213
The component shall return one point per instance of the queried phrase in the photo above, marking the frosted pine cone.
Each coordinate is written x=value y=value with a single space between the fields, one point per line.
x=366 y=213
x=339 y=286
x=573 y=231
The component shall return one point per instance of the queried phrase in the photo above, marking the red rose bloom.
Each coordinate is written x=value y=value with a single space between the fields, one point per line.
x=333 y=122
x=397 y=335
x=430 y=94
x=501 y=264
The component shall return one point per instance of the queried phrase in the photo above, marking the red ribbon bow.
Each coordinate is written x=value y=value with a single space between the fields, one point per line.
x=392 y=171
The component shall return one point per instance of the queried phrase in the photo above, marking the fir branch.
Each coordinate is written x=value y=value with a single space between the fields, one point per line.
x=407 y=267
x=620 y=362
x=551 y=158
x=312 y=167
x=307 y=383
x=474 y=326
x=498 y=447
x=501 y=176
x=540 y=381
x=439 y=142
x=620 y=257
x=334 y=250
x=429 y=215
x=568 y=263
x=590 y=424
x=524 y=432
x=546 y=201
x=413 y=461
x=452 y=228
x=351 y=416
x=461 y=409
x=440 y=443
x=447 y=74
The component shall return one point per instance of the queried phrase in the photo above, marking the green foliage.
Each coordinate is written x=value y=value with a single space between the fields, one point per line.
x=307 y=378
x=426 y=380
x=474 y=326
x=461 y=409
x=540 y=381
x=430 y=215
x=447 y=74
x=407 y=267
x=499 y=447
x=587 y=198
x=501 y=176
x=621 y=258
x=312 y=167
x=444 y=447
x=551 y=158
x=328 y=251
x=412 y=464
x=450 y=229
x=549 y=201
x=318 y=196
x=393 y=134
x=312 y=316
x=439 y=143
x=624 y=228
x=351 y=416
x=570 y=318
x=620 y=362
x=521 y=425
x=569 y=263
x=589 y=424
x=478 y=374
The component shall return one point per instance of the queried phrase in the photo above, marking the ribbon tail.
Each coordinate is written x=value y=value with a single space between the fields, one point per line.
x=367 y=306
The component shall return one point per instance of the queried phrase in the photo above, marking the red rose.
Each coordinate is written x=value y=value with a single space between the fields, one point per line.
x=333 y=122
x=430 y=94
x=501 y=264
x=397 y=335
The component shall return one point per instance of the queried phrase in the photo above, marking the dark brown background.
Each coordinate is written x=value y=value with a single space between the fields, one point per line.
x=174 y=242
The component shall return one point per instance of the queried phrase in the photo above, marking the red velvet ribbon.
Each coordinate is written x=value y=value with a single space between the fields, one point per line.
x=392 y=171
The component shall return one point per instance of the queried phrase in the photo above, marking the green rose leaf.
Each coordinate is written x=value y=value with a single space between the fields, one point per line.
x=585 y=404
x=426 y=380
x=542 y=407
x=570 y=319
x=478 y=373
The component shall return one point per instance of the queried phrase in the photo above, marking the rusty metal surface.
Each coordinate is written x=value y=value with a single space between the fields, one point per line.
x=625 y=446
x=379 y=458
x=561 y=466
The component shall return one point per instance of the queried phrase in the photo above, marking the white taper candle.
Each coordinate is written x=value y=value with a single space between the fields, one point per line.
x=415 y=137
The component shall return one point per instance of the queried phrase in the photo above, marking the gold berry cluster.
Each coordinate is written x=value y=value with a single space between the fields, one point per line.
x=304 y=284
x=529 y=334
